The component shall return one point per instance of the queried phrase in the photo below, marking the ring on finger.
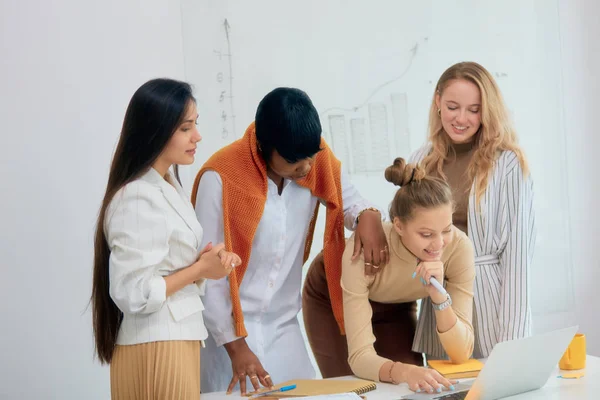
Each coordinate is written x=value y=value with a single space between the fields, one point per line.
x=267 y=376
x=367 y=263
x=253 y=377
x=375 y=266
x=242 y=375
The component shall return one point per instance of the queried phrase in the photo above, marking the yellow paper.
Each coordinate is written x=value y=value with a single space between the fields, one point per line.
x=469 y=368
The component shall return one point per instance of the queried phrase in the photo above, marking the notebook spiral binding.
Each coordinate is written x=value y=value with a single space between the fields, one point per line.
x=366 y=388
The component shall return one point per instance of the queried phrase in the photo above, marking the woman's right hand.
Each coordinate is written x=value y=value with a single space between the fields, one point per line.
x=210 y=265
x=420 y=379
x=245 y=364
x=229 y=259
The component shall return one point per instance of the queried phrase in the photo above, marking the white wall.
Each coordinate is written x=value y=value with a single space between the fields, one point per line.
x=579 y=30
x=68 y=69
x=353 y=53
x=67 y=72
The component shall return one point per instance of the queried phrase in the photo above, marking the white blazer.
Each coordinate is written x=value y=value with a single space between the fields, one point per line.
x=152 y=231
x=503 y=234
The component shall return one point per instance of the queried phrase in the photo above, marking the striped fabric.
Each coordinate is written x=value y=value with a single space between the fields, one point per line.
x=503 y=234
x=156 y=371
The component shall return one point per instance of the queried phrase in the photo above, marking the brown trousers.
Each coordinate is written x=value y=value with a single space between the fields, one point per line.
x=393 y=326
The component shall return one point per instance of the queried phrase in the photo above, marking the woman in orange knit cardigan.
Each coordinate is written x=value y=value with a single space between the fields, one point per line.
x=260 y=196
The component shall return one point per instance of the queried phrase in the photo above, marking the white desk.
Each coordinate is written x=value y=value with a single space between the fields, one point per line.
x=584 y=388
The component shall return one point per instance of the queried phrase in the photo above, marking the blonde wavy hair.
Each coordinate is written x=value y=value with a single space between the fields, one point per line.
x=495 y=134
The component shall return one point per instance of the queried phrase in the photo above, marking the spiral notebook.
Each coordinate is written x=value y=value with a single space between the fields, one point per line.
x=316 y=387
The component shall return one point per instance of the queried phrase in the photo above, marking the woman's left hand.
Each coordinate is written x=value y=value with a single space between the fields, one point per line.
x=425 y=271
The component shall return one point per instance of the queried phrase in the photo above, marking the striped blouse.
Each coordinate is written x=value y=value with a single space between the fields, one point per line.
x=503 y=234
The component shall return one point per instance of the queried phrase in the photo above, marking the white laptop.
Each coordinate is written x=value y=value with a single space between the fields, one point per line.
x=513 y=367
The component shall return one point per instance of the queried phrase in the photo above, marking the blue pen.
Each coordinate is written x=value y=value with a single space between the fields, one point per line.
x=283 y=389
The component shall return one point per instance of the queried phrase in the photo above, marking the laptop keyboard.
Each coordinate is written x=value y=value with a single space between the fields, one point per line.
x=453 y=396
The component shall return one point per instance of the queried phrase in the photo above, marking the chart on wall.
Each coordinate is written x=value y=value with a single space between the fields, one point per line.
x=370 y=69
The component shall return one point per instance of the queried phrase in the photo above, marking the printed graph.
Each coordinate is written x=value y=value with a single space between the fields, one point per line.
x=368 y=136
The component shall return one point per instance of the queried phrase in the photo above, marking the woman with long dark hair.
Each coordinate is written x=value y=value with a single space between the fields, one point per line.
x=149 y=272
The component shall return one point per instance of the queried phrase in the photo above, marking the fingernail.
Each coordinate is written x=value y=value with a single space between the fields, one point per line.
x=418 y=391
x=414 y=274
x=439 y=390
x=423 y=281
x=451 y=387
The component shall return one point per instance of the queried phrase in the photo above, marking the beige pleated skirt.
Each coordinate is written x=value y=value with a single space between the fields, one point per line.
x=157 y=370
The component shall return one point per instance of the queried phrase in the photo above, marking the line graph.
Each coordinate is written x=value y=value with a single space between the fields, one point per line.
x=413 y=54
x=226 y=84
x=367 y=136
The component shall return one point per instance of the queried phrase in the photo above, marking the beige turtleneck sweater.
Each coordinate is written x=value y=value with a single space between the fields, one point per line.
x=394 y=284
x=455 y=169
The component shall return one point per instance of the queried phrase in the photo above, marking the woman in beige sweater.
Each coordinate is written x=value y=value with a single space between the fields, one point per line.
x=423 y=244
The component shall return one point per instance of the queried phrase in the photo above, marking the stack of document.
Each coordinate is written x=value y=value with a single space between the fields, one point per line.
x=468 y=369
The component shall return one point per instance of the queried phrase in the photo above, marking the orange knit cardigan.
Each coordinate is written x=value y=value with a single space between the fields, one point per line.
x=244 y=176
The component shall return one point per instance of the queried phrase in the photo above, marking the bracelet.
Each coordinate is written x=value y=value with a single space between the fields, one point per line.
x=391 y=378
x=442 y=306
x=366 y=209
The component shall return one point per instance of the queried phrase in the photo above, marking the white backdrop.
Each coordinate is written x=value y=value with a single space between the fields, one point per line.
x=580 y=54
x=68 y=69
x=370 y=69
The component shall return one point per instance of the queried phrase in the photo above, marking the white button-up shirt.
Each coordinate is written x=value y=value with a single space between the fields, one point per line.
x=270 y=290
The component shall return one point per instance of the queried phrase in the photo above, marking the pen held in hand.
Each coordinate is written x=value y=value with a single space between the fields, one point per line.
x=434 y=282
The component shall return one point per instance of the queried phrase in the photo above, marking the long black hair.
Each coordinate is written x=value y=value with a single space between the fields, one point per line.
x=154 y=113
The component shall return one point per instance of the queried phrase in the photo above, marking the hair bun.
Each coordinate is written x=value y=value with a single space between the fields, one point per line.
x=401 y=174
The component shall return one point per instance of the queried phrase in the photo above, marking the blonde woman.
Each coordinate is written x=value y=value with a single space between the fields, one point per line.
x=423 y=244
x=473 y=146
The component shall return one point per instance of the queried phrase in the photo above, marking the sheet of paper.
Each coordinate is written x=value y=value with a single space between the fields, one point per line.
x=340 y=396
